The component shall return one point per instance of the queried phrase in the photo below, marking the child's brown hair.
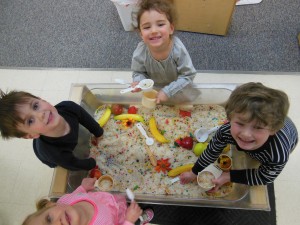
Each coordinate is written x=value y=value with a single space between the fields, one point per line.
x=267 y=106
x=9 y=115
x=161 y=6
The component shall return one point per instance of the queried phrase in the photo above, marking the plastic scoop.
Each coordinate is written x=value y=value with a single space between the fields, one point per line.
x=130 y=195
x=145 y=85
x=149 y=140
x=175 y=180
x=201 y=134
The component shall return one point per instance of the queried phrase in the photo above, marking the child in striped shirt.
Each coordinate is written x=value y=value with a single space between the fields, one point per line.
x=259 y=126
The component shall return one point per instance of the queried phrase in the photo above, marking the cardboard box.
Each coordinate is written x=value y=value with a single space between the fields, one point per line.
x=204 y=16
x=127 y=13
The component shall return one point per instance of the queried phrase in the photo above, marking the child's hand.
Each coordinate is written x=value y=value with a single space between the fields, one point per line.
x=95 y=140
x=133 y=85
x=223 y=179
x=88 y=183
x=161 y=97
x=187 y=177
x=133 y=212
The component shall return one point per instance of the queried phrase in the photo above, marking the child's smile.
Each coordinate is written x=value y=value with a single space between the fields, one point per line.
x=248 y=135
x=156 y=29
x=41 y=118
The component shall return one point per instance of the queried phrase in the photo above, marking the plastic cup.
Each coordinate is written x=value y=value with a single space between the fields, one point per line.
x=224 y=162
x=149 y=99
x=105 y=183
x=205 y=177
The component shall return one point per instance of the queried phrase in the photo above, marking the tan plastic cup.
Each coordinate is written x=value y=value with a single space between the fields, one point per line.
x=224 y=162
x=149 y=99
x=105 y=183
x=204 y=178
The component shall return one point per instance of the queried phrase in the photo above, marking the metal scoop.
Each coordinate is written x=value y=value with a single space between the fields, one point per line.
x=145 y=85
x=201 y=134
x=149 y=140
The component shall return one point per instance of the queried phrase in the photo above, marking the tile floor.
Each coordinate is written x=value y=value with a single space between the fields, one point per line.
x=24 y=178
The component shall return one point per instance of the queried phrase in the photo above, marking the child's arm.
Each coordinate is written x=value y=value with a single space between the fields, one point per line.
x=223 y=179
x=138 y=64
x=61 y=156
x=161 y=97
x=132 y=214
x=185 y=69
x=210 y=155
x=87 y=184
x=265 y=174
x=90 y=123
x=187 y=177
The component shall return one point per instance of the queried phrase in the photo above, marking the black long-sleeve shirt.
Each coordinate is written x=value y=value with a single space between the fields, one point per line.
x=273 y=155
x=58 y=151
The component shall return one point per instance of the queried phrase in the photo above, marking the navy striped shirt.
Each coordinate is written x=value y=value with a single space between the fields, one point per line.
x=273 y=155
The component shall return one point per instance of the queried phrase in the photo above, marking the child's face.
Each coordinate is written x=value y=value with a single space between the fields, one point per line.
x=58 y=215
x=248 y=135
x=155 y=29
x=40 y=117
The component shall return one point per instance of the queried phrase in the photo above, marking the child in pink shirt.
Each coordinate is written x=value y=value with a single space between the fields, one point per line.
x=85 y=207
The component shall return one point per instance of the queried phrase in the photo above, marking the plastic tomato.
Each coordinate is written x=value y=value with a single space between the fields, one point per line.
x=132 y=110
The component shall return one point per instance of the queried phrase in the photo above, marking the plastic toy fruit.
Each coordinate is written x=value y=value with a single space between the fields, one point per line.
x=116 y=109
x=184 y=113
x=103 y=120
x=180 y=169
x=155 y=132
x=132 y=110
x=199 y=148
x=135 y=117
x=186 y=142
x=95 y=173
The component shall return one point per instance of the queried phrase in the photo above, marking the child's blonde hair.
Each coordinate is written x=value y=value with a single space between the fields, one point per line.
x=161 y=6
x=9 y=115
x=267 y=106
x=42 y=205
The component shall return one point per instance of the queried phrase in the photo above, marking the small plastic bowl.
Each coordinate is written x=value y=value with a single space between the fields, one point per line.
x=105 y=183
x=205 y=177
x=224 y=162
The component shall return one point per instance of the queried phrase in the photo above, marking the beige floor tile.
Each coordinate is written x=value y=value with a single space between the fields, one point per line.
x=125 y=75
x=287 y=202
x=59 y=96
x=8 y=176
x=14 y=214
x=34 y=179
x=16 y=149
x=59 y=80
x=23 y=79
x=95 y=76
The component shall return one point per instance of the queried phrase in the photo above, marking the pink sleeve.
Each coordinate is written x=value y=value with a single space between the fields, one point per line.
x=80 y=189
x=127 y=223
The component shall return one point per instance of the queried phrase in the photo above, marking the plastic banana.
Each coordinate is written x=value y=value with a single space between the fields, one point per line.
x=180 y=169
x=154 y=131
x=135 y=117
x=103 y=120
